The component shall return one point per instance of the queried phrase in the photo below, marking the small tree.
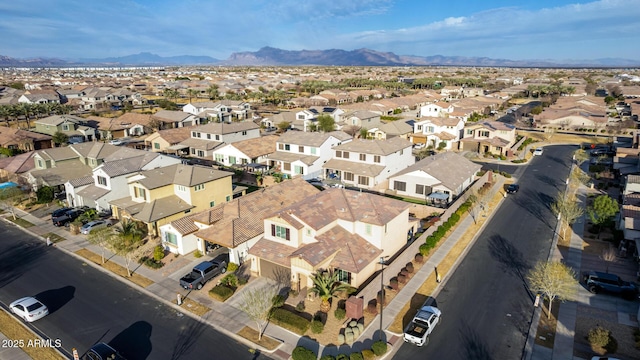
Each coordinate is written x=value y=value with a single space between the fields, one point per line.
x=9 y=196
x=59 y=138
x=326 y=284
x=44 y=194
x=326 y=123
x=101 y=237
x=568 y=209
x=554 y=280
x=257 y=304
x=283 y=126
x=127 y=240
x=602 y=210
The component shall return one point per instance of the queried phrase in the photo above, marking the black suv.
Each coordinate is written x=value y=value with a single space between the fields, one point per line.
x=67 y=217
x=598 y=281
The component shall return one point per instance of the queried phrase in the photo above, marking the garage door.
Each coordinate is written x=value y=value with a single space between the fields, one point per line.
x=278 y=273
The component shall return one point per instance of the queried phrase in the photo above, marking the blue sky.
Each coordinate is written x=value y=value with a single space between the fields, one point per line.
x=501 y=29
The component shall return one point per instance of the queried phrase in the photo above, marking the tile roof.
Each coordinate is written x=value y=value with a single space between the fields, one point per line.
x=291 y=157
x=175 y=135
x=396 y=128
x=180 y=174
x=222 y=128
x=18 y=164
x=93 y=192
x=356 y=168
x=375 y=147
x=255 y=148
x=171 y=115
x=272 y=251
x=450 y=168
x=201 y=144
x=161 y=208
x=242 y=218
x=311 y=138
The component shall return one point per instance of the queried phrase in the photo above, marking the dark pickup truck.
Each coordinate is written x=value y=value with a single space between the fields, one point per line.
x=202 y=273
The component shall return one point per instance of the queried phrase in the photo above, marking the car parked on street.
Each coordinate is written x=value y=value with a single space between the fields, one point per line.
x=538 y=152
x=29 y=309
x=513 y=188
x=598 y=282
x=102 y=351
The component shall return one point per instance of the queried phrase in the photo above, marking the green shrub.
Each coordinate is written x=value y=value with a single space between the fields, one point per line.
x=327 y=357
x=368 y=354
x=302 y=353
x=197 y=254
x=158 y=253
x=317 y=326
x=277 y=301
x=379 y=348
x=221 y=292
x=342 y=357
x=455 y=217
x=232 y=267
x=300 y=307
x=340 y=313
x=424 y=249
x=356 y=356
x=230 y=280
x=290 y=321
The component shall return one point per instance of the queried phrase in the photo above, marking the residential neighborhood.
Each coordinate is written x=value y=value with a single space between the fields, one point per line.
x=296 y=177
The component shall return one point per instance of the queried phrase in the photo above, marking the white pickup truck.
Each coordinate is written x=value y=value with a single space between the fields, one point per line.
x=422 y=325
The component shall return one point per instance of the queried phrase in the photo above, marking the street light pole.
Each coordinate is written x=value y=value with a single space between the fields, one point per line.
x=382 y=297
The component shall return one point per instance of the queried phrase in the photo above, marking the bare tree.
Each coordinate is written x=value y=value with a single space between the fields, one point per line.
x=127 y=240
x=102 y=238
x=609 y=256
x=568 y=209
x=554 y=280
x=257 y=304
x=9 y=197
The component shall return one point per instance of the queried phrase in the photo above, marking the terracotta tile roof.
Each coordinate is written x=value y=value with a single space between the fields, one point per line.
x=255 y=148
x=176 y=135
x=18 y=164
x=272 y=251
x=375 y=147
x=291 y=157
x=241 y=219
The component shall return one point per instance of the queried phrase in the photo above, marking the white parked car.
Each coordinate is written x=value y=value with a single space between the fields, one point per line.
x=537 y=151
x=28 y=308
x=116 y=142
x=86 y=228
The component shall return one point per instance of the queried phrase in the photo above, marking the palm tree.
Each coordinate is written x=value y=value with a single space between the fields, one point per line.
x=127 y=240
x=5 y=113
x=326 y=284
x=193 y=93
x=213 y=92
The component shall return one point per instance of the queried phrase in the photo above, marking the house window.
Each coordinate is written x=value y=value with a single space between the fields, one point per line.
x=419 y=189
x=363 y=180
x=102 y=180
x=218 y=137
x=338 y=153
x=430 y=129
x=313 y=151
x=399 y=186
x=199 y=135
x=40 y=164
x=220 y=158
x=212 y=204
x=376 y=159
x=367 y=229
x=470 y=132
x=308 y=232
x=280 y=232
x=200 y=153
x=171 y=238
x=156 y=145
x=139 y=192
x=208 y=136
x=244 y=133
x=348 y=176
x=298 y=170
x=65 y=127
x=182 y=188
x=345 y=154
x=280 y=146
x=198 y=187
x=194 y=134
x=484 y=133
x=232 y=160
x=193 y=151
x=300 y=149
x=228 y=198
x=286 y=166
x=287 y=147
x=363 y=157
x=343 y=276
x=419 y=128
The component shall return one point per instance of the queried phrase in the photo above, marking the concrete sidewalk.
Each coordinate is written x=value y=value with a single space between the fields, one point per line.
x=227 y=318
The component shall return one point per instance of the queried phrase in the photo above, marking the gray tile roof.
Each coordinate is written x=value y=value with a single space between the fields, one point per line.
x=375 y=147
x=354 y=167
x=450 y=168
x=311 y=138
x=181 y=174
x=162 y=208
x=291 y=157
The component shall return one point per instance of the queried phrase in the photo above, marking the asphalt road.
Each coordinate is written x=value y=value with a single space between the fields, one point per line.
x=486 y=307
x=87 y=306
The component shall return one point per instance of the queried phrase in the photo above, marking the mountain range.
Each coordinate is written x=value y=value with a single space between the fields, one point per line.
x=268 y=56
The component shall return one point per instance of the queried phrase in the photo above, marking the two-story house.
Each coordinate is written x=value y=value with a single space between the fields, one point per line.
x=173 y=119
x=219 y=111
x=360 y=119
x=337 y=229
x=17 y=139
x=438 y=132
x=236 y=225
x=108 y=181
x=368 y=163
x=74 y=127
x=157 y=197
x=94 y=98
x=493 y=137
x=304 y=153
x=205 y=138
x=168 y=140
x=400 y=128
x=439 y=109
x=437 y=179
x=55 y=166
x=245 y=152
x=40 y=97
